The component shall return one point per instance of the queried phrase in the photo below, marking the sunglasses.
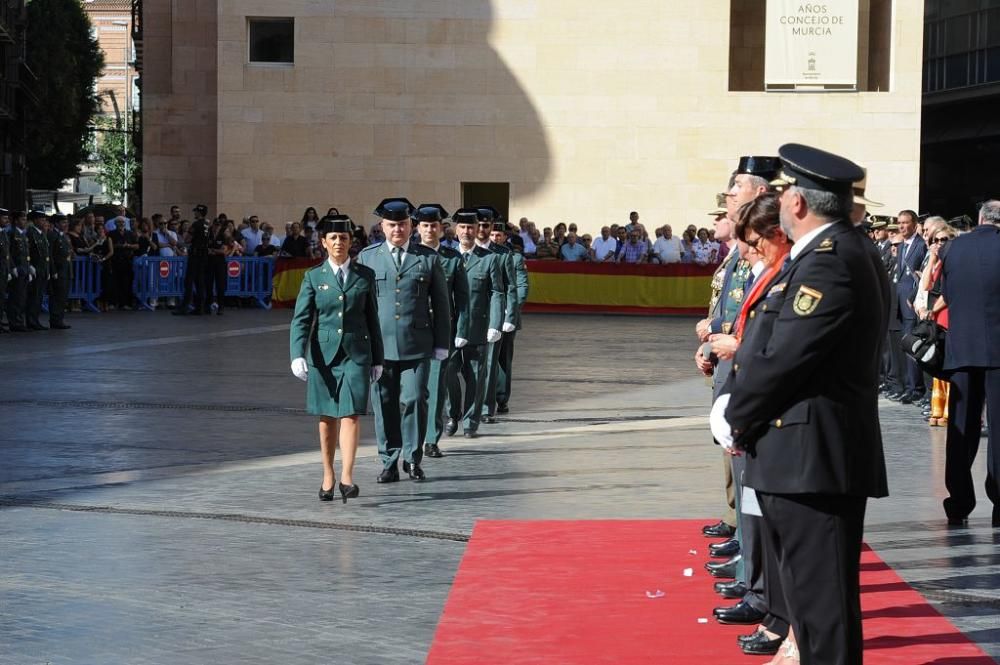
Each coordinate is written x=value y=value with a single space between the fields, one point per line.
x=941 y=241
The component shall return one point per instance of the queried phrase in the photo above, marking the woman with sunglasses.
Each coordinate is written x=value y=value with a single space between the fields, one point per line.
x=936 y=309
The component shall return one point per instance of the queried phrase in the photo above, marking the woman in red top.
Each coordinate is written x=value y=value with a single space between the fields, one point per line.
x=937 y=309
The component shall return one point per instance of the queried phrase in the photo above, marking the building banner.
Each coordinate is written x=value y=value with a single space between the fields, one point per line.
x=811 y=44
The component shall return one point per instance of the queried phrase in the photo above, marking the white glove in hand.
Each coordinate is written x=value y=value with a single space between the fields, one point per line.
x=300 y=369
x=492 y=335
x=376 y=373
x=509 y=327
x=440 y=354
x=31 y=271
x=720 y=428
x=460 y=342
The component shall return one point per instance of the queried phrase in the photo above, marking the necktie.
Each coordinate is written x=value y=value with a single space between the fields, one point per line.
x=465 y=258
x=340 y=277
x=397 y=255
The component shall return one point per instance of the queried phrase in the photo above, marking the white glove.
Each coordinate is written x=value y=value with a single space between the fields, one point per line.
x=717 y=420
x=13 y=272
x=32 y=272
x=492 y=335
x=12 y=275
x=440 y=354
x=376 y=373
x=300 y=369
x=509 y=327
x=460 y=342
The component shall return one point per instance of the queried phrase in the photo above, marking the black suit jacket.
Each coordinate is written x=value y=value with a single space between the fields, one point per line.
x=971 y=288
x=909 y=263
x=804 y=384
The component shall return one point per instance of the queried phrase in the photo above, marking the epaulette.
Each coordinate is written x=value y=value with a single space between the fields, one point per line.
x=827 y=245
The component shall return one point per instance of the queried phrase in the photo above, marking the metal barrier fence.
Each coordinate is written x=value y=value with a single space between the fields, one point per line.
x=163 y=277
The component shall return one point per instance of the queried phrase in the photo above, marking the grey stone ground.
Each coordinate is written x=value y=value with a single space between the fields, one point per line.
x=159 y=480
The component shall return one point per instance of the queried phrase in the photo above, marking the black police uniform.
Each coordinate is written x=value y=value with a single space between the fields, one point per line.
x=814 y=444
x=18 y=287
x=215 y=270
x=5 y=271
x=194 y=272
x=60 y=277
x=41 y=260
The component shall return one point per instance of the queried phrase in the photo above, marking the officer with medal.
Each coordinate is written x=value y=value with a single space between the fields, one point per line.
x=20 y=253
x=197 y=263
x=6 y=266
x=814 y=448
x=489 y=221
x=505 y=371
x=429 y=218
x=415 y=318
x=40 y=257
x=483 y=272
x=61 y=272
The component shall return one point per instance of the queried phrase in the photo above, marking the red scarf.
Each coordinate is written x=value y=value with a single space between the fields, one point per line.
x=762 y=283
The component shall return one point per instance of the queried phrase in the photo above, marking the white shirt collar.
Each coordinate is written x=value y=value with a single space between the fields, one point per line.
x=336 y=268
x=484 y=245
x=758 y=268
x=801 y=243
x=405 y=247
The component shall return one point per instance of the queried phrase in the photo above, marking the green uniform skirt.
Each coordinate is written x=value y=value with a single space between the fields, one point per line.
x=339 y=390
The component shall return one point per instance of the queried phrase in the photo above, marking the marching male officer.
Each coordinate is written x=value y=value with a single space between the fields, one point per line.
x=415 y=317
x=197 y=262
x=41 y=259
x=443 y=373
x=814 y=447
x=505 y=375
x=485 y=283
x=489 y=219
x=20 y=253
x=6 y=266
x=61 y=271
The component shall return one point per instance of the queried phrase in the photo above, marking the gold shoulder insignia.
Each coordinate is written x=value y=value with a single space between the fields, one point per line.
x=806 y=301
x=825 y=246
x=777 y=288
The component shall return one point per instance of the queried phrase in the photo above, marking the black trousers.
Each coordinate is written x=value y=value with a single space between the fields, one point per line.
x=194 y=278
x=816 y=542
x=215 y=281
x=749 y=533
x=58 y=293
x=121 y=272
x=912 y=374
x=36 y=292
x=17 y=298
x=971 y=388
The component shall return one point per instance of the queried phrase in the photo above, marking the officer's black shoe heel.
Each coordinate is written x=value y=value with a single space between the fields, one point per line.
x=325 y=495
x=349 y=492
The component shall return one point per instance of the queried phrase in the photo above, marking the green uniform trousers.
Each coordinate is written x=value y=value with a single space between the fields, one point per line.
x=442 y=382
x=399 y=400
x=492 y=376
x=505 y=373
x=474 y=368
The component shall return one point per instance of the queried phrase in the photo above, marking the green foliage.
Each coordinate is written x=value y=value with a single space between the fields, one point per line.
x=114 y=153
x=67 y=61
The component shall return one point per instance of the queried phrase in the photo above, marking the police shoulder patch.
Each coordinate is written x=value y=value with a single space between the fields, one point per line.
x=806 y=301
x=826 y=246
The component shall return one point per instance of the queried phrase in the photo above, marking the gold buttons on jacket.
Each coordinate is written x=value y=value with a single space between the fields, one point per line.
x=736 y=368
x=777 y=423
x=398 y=291
x=340 y=297
x=339 y=330
x=397 y=317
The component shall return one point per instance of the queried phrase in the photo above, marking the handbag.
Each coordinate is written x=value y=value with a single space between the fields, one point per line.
x=925 y=344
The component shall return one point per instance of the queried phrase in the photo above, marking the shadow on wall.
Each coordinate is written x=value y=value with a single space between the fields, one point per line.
x=463 y=116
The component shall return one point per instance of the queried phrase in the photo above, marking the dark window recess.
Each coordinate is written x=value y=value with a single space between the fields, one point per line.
x=272 y=40
x=993 y=65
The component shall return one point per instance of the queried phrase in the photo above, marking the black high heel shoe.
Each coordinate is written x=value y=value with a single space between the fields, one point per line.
x=326 y=495
x=349 y=492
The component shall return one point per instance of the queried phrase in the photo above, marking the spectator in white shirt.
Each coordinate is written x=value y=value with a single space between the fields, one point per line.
x=165 y=239
x=529 y=244
x=605 y=246
x=252 y=236
x=667 y=248
x=111 y=224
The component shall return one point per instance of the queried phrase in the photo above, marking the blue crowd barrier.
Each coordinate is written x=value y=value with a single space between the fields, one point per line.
x=85 y=285
x=163 y=277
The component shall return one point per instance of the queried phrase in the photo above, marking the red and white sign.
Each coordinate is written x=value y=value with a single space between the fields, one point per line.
x=234 y=268
x=164 y=269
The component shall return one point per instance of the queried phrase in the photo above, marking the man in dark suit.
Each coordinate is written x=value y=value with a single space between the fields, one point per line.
x=814 y=446
x=61 y=271
x=910 y=257
x=971 y=276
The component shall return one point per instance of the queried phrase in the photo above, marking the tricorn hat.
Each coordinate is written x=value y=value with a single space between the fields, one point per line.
x=395 y=210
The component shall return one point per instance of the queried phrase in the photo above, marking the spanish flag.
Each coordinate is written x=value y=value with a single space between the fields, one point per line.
x=288 y=276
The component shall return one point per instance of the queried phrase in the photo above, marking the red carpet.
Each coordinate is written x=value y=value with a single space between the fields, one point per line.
x=576 y=592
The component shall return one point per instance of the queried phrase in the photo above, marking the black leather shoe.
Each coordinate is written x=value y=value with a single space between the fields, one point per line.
x=413 y=471
x=957 y=521
x=470 y=434
x=733 y=590
x=489 y=420
x=725 y=549
x=349 y=492
x=906 y=398
x=388 y=475
x=719 y=530
x=326 y=495
x=451 y=427
x=724 y=569
x=18 y=329
x=37 y=326
x=59 y=326
x=895 y=396
x=431 y=450
x=741 y=614
x=761 y=646
x=503 y=408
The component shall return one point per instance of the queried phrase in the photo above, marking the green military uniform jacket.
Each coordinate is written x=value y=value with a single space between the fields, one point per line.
x=486 y=294
x=521 y=282
x=458 y=292
x=19 y=251
x=413 y=309
x=509 y=281
x=40 y=255
x=6 y=263
x=62 y=256
x=328 y=317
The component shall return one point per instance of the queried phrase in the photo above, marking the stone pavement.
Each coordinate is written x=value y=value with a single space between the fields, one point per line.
x=159 y=480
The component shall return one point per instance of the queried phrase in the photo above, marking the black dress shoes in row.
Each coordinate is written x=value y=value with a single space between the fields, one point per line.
x=733 y=590
x=451 y=427
x=759 y=644
x=725 y=549
x=740 y=614
x=724 y=569
x=432 y=450
x=389 y=475
x=413 y=471
x=719 y=530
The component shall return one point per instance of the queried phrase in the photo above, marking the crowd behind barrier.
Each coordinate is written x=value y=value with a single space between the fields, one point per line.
x=156 y=277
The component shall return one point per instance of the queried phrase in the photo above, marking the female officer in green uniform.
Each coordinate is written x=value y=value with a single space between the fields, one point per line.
x=336 y=348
